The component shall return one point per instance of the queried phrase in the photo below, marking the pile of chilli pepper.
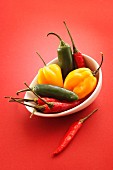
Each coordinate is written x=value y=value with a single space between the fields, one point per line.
x=61 y=86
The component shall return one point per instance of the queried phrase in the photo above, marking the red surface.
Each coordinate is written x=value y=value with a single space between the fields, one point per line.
x=28 y=143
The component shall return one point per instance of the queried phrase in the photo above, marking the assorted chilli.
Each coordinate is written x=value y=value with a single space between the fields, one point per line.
x=62 y=86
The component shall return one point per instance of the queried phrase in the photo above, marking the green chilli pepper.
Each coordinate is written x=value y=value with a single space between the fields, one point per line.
x=65 y=58
x=47 y=90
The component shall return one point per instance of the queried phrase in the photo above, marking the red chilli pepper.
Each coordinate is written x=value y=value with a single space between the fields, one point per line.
x=79 y=59
x=36 y=100
x=58 y=106
x=47 y=99
x=77 y=56
x=71 y=133
x=51 y=107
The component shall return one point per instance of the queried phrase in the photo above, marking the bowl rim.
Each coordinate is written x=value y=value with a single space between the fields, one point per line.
x=81 y=106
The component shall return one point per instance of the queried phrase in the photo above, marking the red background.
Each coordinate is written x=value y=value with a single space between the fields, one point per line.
x=27 y=144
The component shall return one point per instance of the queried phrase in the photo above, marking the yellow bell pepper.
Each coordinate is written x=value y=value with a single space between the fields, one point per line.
x=81 y=81
x=50 y=74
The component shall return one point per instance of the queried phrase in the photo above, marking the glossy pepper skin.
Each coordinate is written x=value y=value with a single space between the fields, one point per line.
x=71 y=132
x=50 y=74
x=78 y=57
x=81 y=81
x=65 y=57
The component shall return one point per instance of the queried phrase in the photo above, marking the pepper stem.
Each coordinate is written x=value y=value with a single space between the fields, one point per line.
x=49 y=104
x=96 y=71
x=21 y=99
x=85 y=118
x=22 y=103
x=30 y=89
x=62 y=42
x=32 y=113
x=74 y=48
x=23 y=90
x=41 y=58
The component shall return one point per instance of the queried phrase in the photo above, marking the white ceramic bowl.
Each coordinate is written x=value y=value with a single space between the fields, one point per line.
x=93 y=65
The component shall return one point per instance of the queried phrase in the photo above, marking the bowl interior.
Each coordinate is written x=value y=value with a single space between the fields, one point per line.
x=93 y=65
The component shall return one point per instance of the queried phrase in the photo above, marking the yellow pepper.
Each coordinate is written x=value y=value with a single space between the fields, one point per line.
x=81 y=81
x=50 y=74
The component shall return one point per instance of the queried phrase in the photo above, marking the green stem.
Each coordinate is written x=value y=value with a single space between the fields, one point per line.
x=18 y=99
x=32 y=113
x=96 y=71
x=85 y=118
x=24 y=100
x=73 y=45
x=23 y=90
x=62 y=42
x=23 y=103
x=41 y=58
